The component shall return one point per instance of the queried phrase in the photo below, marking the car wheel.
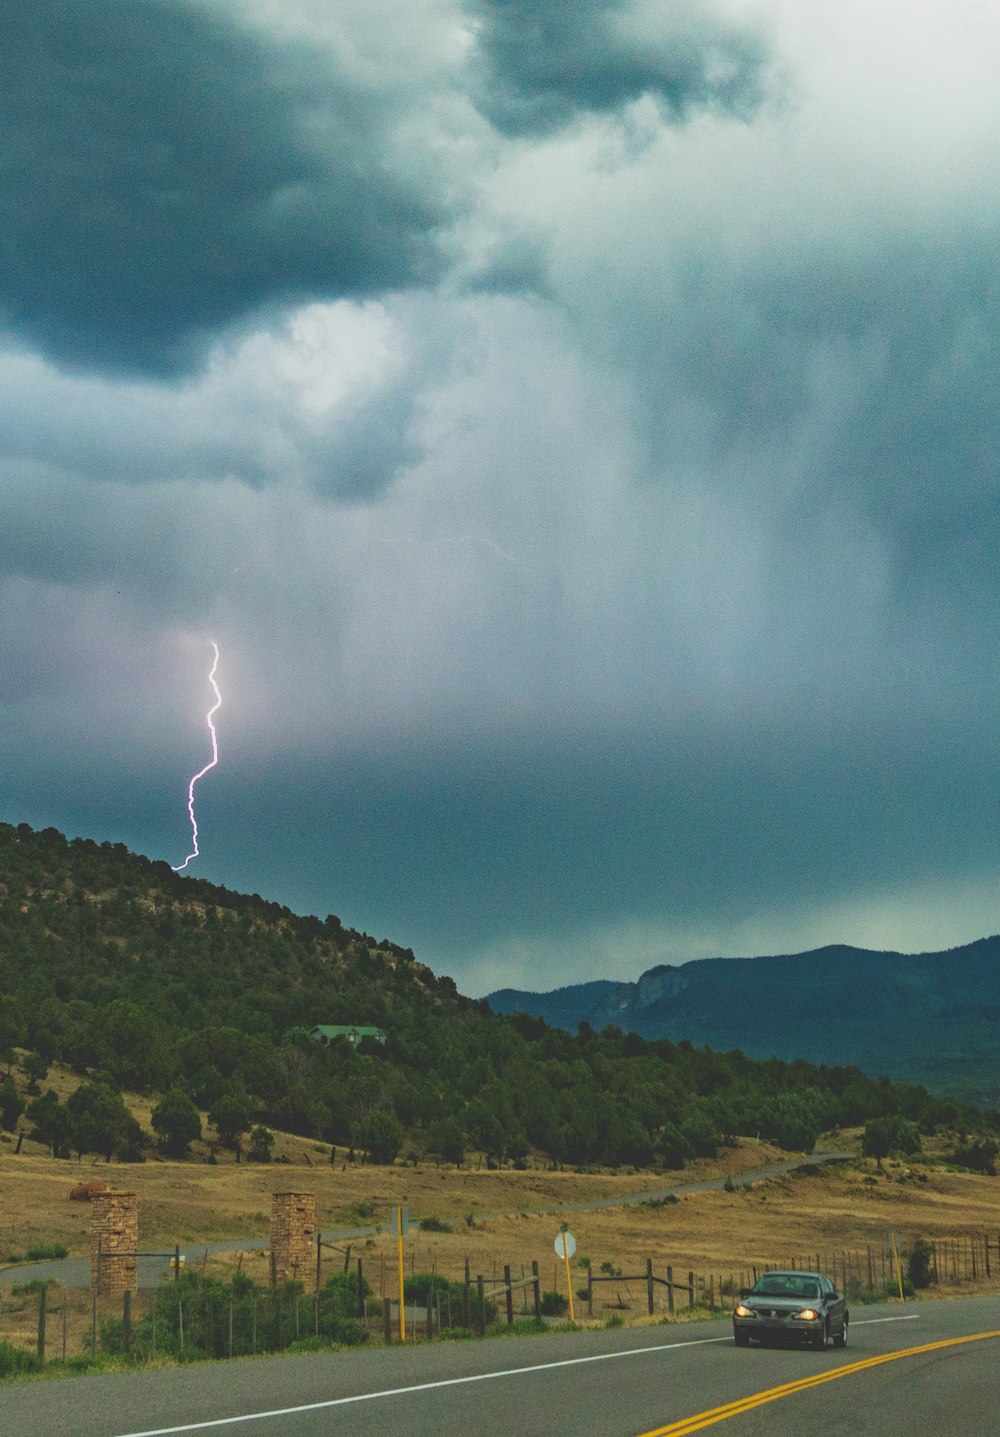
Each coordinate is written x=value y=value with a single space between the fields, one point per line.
x=742 y=1339
x=841 y=1341
x=820 y=1339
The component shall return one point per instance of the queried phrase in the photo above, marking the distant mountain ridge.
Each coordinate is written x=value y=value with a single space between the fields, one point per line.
x=930 y=1018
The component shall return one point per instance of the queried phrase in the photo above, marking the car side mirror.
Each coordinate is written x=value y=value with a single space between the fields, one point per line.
x=744 y=1292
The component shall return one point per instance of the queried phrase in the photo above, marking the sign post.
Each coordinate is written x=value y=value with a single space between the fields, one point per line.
x=565 y=1246
x=402 y=1226
x=899 y=1267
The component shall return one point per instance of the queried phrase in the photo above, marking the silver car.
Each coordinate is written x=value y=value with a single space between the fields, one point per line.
x=791 y=1306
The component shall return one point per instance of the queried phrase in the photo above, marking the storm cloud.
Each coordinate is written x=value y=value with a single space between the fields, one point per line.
x=603 y=556
x=167 y=173
x=544 y=62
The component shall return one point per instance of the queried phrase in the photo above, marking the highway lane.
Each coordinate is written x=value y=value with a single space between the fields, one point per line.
x=617 y=1383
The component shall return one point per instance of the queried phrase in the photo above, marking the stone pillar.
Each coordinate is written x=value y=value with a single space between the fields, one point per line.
x=293 y=1238
x=114 y=1243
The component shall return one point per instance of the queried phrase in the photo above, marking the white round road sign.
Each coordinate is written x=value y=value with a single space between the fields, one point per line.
x=570 y=1245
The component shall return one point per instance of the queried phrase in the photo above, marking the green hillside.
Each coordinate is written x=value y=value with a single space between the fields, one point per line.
x=140 y=978
x=932 y=1018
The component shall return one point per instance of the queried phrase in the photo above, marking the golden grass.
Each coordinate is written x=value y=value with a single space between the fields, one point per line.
x=494 y=1217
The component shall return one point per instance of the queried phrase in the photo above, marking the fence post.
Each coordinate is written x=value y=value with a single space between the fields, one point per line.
x=319 y=1260
x=230 y=1329
x=481 y=1293
x=430 y=1314
x=42 y=1299
x=127 y=1320
x=253 y=1335
x=510 y=1295
x=361 y=1289
x=465 y=1297
x=93 y=1321
x=177 y=1262
x=180 y=1325
x=537 y=1290
x=670 y=1291
x=590 y=1292
x=649 y=1286
x=692 y=1295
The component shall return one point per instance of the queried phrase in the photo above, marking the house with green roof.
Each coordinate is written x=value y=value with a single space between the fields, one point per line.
x=326 y=1032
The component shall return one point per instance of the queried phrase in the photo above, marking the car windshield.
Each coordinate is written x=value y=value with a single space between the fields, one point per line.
x=785 y=1284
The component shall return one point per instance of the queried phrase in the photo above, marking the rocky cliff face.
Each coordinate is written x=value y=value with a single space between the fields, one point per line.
x=657 y=986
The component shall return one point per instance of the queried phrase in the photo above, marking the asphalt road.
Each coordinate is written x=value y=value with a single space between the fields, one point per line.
x=618 y=1383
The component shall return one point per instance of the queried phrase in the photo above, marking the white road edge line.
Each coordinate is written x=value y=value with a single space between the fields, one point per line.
x=455 y=1382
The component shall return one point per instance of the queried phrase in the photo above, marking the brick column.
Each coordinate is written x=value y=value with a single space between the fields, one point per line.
x=293 y=1237
x=114 y=1241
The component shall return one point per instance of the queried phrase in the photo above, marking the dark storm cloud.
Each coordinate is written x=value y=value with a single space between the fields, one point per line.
x=450 y=847
x=545 y=61
x=858 y=381
x=166 y=173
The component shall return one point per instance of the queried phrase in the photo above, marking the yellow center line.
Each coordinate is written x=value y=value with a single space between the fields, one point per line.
x=772 y=1394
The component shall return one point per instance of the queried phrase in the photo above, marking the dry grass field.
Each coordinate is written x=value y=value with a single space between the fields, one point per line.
x=802 y=1218
x=493 y=1218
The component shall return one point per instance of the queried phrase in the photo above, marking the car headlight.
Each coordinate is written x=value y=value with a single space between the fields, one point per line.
x=807 y=1314
x=742 y=1311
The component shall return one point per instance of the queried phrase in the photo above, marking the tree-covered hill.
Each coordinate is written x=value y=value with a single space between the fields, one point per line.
x=141 y=978
x=930 y=1018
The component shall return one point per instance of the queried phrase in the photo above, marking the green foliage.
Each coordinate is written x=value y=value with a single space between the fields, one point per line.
x=339 y=1309
x=51 y=1123
x=11 y=1104
x=261 y=1143
x=434 y=1224
x=40 y=1251
x=381 y=1133
x=99 y=1122
x=889 y=1134
x=15 y=1362
x=177 y=1121
x=978 y=1157
x=918 y=1262
x=554 y=1304
x=230 y=1116
x=35 y=1067
x=120 y=967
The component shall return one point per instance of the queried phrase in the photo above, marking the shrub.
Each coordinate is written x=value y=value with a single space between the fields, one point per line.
x=261 y=1143
x=434 y=1224
x=918 y=1264
x=309 y=1344
x=339 y=1303
x=14 y=1361
x=39 y=1251
x=348 y=1332
x=554 y=1304
x=977 y=1157
x=24 y=1289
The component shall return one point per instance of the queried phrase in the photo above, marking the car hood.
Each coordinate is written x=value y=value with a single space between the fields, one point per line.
x=780 y=1304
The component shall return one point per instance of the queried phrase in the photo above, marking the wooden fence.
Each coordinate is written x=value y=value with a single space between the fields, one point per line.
x=65 y=1322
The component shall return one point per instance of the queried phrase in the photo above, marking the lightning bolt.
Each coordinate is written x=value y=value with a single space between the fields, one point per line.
x=209 y=766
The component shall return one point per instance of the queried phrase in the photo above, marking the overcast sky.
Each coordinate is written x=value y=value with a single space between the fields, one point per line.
x=576 y=422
